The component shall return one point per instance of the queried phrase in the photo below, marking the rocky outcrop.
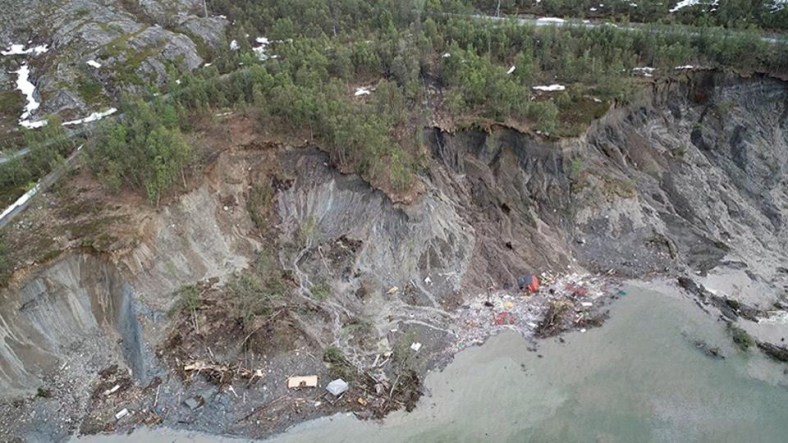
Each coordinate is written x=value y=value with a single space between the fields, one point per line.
x=133 y=42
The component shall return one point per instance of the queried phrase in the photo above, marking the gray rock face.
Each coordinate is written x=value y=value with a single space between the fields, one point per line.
x=132 y=44
x=210 y=30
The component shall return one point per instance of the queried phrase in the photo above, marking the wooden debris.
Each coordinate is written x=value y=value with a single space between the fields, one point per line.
x=309 y=381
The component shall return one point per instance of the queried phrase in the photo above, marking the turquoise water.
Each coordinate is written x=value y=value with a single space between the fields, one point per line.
x=637 y=379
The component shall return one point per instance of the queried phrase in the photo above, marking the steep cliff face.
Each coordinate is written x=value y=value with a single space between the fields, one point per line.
x=79 y=305
x=693 y=176
x=705 y=162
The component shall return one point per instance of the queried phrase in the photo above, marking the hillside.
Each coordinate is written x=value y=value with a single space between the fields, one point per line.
x=353 y=189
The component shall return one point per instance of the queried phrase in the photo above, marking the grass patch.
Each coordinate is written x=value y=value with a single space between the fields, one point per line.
x=258 y=203
x=5 y=262
x=90 y=90
x=321 y=291
x=338 y=364
x=11 y=103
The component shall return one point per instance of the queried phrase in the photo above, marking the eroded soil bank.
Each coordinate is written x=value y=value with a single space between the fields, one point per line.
x=274 y=264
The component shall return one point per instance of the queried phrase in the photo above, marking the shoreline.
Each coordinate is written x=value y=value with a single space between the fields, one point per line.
x=514 y=344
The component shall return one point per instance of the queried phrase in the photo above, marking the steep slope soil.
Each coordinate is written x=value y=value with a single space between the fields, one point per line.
x=274 y=264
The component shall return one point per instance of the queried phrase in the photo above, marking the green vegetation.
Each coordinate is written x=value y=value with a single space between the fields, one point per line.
x=258 y=203
x=256 y=293
x=5 y=265
x=339 y=366
x=90 y=91
x=740 y=337
x=419 y=59
x=727 y=13
x=321 y=291
x=48 y=148
x=145 y=150
x=43 y=392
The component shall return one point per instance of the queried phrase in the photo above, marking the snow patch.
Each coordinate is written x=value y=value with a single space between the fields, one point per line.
x=685 y=67
x=683 y=4
x=20 y=50
x=28 y=89
x=94 y=64
x=549 y=88
x=96 y=116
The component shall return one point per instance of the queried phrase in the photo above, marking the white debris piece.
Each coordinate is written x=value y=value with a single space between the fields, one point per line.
x=684 y=4
x=33 y=125
x=685 y=67
x=775 y=317
x=20 y=201
x=96 y=116
x=94 y=64
x=549 y=21
x=645 y=71
x=121 y=414
x=586 y=304
x=511 y=69
x=592 y=9
x=337 y=387
x=415 y=346
x=446 y=54
x=112 y=391
x=20 y=50
x=309 y=381
x=234 y=45
x=362 y=91
x=549 y=88
x=260 y=50
x=207 y=64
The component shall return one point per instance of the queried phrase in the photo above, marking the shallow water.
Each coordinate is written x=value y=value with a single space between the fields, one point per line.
x=638 y=378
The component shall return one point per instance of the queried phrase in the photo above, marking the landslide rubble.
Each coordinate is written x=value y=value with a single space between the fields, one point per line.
x=275 y=264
